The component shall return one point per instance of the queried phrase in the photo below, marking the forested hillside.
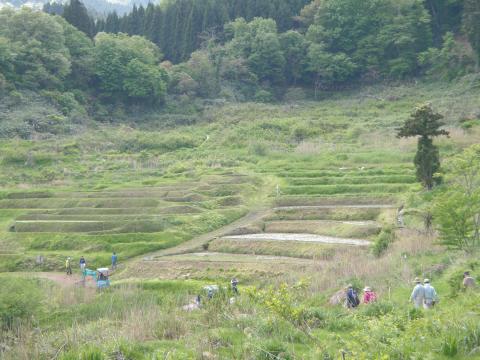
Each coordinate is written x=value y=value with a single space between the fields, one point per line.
x=223 y=50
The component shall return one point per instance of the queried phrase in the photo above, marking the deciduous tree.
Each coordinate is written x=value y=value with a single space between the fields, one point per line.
x=457 y=210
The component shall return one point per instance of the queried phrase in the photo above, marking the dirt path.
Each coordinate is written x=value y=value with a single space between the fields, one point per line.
x=299 y=237
x=58 y=221
x=61 y=279
x=196 y=244
x=233 y=258
x=366 y=206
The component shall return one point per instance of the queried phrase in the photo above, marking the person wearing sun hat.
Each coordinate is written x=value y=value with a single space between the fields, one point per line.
x=418 y=294
x=430 y=295
x=351 y=297
x=369 y=295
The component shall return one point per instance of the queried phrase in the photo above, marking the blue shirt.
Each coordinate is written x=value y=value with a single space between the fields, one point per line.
x=430 y=293
x=418 y=292
x=114 y=259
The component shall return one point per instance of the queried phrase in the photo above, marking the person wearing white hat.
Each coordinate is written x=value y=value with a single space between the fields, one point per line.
x=418 y=294
x=369 y=295
x=430 y=295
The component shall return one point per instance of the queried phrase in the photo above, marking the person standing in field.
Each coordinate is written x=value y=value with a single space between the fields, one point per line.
x=68 y=266
x=234 y=283
x=369 y=295
x=468 y=281
x=114 y=260
x=418 y=294
x=83 y=264
x=430 y=295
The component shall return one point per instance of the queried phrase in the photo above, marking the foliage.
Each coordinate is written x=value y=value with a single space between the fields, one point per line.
x=383 y=241
x=372 y=36
x=457 y=210
x=447 y=63
x=282 y=300
x=179 y=28
x=34 y=53
x=424 y=122
x=471 y=25
x=19 y=300
x=76 y=14
x=128 y=67
x=258 y=43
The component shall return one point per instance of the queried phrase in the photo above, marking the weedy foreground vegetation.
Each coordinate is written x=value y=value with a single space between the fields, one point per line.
x=328 y=168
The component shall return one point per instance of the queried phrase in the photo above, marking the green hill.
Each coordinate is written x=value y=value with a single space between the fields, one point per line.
x=163 y=199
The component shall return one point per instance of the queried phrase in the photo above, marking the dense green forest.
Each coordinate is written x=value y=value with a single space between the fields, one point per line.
x=179 y=52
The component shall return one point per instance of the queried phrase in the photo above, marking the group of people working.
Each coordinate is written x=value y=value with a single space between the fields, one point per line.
x=423 y=294
x=83 y=263
x=352 y=300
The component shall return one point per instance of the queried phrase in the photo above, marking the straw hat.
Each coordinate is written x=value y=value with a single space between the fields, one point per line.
x=417 y=280
x=349 y=286
x=367 y=288
x=426 y=281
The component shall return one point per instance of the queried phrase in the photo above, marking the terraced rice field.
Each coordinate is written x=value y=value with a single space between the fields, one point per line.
x=314 y=214
x=131 y=221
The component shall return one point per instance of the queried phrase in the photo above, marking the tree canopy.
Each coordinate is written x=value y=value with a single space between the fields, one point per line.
x=425 y=123
x=457 y=210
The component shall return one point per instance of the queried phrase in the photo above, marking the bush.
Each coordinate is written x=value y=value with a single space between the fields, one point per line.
x=19 y=299
x=301 y=133
x=383 y=241
x=66 y=102
x=259 y=149
x=264 y=96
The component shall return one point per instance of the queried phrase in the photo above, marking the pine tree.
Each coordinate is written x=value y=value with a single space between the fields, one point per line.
x=112 y=23
x=76 y=14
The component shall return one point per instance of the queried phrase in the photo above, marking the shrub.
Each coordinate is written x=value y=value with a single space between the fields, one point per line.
x=259 y=149
x=66 y=102
x=383 y=241
x=301 y=133
x=455 y=278
x=263 y=96
x=19 y=299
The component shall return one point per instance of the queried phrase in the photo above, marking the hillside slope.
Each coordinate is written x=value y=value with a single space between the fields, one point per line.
x=331 y=170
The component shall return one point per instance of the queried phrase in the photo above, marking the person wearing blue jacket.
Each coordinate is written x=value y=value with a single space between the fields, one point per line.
x=352 y=300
